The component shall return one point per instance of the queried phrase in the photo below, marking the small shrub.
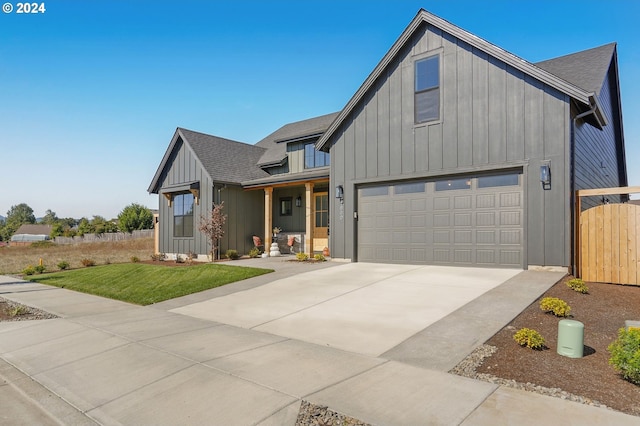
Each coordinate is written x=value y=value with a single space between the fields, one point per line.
x=577 y=284
x=39 y=268
x=558 y=307
x=319 y=257
x=302 y=256
x=63 y=265
x=135 y=259
x=232 y=254
x=88 y=262
x=625 y=354
x=529 y=338
x=29 y=270
x=254 y=252
x=18 y=310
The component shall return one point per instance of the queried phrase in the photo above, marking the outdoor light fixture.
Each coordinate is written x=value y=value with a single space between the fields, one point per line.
x=545 y=176
x=340 y=192
x=299 y=201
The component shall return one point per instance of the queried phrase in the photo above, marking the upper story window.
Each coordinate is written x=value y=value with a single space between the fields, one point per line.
x=183 y=215
x=427 y=89
x=313 y=158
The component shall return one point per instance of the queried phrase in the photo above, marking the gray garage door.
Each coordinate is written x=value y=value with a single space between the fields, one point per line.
x=475 y=221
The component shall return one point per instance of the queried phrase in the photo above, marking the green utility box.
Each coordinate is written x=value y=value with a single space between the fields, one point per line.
x=570 y=338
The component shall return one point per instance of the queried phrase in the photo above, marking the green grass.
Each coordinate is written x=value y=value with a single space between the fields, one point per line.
x=145 y=284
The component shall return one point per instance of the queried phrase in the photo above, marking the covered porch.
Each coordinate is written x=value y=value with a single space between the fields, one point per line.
x=301 y=211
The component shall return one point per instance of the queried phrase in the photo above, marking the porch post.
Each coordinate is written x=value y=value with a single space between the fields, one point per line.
x=310 y=216
x=268 y=220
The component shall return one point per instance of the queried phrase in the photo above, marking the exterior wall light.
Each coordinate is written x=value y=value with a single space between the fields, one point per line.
x=299 y=201
x=340 y=192
x=545 y=176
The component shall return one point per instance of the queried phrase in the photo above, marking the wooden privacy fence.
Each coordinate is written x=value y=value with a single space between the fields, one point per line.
x=608 y=246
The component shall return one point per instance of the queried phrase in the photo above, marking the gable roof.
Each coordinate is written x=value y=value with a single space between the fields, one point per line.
x=586 y=69
x=31 y=229
x=586 y=97
x=276 y=143
x=224 y=160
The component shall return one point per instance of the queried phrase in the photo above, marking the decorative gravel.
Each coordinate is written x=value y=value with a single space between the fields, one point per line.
x=319 y=415
x=27 y=312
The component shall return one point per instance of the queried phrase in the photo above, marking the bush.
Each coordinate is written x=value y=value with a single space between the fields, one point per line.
x=254 y=252
x=88 y=262
x=625 y=354
x=529 y=338
x=39 y=268
x=302 y=256
x=232 y=254
x=29 y=270
x=63 y=265
x=559 y=307
x=135 y=259
x=18 y=310
x=319 y=257
x=577 y=284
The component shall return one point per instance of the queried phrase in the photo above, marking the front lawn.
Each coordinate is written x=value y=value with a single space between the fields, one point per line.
x=145 y=284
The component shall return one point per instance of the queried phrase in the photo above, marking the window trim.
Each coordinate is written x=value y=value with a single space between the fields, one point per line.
x=418 y=58
x=182 y=216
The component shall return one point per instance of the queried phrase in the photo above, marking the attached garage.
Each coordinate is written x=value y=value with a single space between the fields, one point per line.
x=470 y=220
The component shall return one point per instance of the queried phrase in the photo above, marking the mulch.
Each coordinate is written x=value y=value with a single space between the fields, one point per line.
x=603 y=312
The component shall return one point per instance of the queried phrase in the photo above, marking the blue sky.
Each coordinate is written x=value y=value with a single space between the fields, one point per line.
x=92 y=91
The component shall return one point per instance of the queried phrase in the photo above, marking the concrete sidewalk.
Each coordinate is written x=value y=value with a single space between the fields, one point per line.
x=109 y=362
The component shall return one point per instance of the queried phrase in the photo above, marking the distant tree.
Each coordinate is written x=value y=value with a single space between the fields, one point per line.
x=50 y=218
x=134 y=217
x=85 y=227
x=2 y=223
x=16 y=216
x=213 y=226
x=101 y=225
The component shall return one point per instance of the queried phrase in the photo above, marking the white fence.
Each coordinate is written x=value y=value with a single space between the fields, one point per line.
x=111 y=236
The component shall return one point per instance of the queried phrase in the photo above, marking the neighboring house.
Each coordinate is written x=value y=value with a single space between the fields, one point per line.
x=453 y=151
x=27 y=234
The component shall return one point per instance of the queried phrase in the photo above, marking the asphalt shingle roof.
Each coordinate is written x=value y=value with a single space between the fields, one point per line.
x=586 y=69
x=31 y=229
x=225 y=160
x=276 y=152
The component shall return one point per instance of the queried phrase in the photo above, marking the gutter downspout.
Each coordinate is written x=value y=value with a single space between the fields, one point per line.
x=572 y=184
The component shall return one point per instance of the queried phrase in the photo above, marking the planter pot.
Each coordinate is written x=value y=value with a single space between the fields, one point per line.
x=265 y=255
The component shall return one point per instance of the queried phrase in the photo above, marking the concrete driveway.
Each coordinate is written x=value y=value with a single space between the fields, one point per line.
x=364 y=308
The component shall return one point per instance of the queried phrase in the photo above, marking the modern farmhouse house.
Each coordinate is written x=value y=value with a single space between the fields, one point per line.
x=453 y=151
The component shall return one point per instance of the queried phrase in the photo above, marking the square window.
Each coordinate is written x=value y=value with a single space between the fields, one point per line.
x=286 y=206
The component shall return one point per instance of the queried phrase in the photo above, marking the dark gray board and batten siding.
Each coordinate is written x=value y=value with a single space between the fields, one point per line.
x=597 y=164
x=493 y=117
x=244 y=209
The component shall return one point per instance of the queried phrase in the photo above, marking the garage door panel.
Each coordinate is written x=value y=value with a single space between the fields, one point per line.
x=462 y=202
x=478 y=224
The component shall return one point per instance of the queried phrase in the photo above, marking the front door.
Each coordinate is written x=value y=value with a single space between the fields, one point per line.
x=321 y=223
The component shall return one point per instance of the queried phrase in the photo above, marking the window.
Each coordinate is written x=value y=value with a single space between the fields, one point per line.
x=322 y=210
x=498 y=180
x=313 y=158
x=372 y=191
x=183 y=215
x=408 y=188
x=427 y=89
x=447 y=185
x=285 y=206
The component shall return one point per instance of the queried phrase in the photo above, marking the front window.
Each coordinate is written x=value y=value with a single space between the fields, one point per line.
x=427 y=89
x=313 y=158
x=183 y=215
x=286 y=206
